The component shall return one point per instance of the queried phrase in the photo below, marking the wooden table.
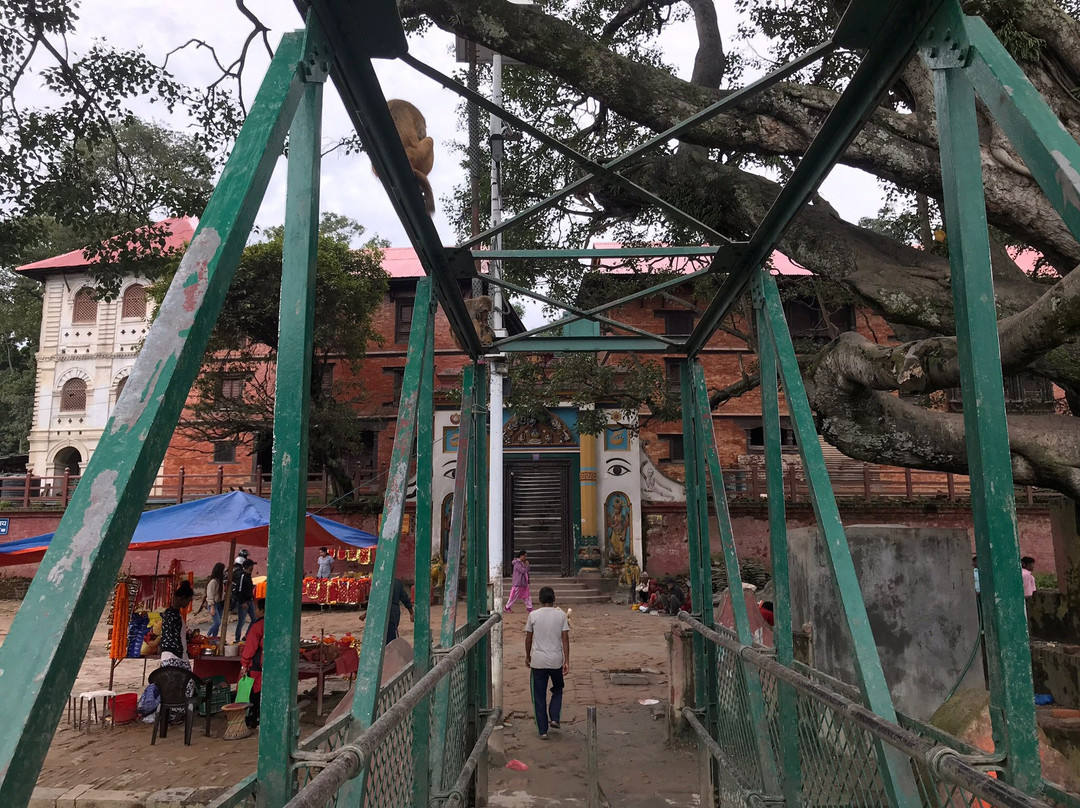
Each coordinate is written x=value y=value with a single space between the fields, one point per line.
x=227 y=666
x=318 y=670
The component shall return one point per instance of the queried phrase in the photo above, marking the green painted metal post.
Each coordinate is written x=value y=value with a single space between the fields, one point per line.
x=369 y=674
x=697 y=528
x=895 y=770
x=41 y=656
x=288 y=498
x=425 y=448
x=751 y=679
x=1012 y=710
x=1046 y=147
x=440 y=725
x=778 y=552
x=476 y=580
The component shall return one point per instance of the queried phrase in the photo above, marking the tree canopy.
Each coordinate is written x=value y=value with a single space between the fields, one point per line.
x=350 y=285
x=595 y=73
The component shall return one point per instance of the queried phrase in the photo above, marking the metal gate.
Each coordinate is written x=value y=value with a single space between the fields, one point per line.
x=538 y=513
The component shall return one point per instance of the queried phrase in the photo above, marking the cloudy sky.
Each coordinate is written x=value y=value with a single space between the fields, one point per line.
x=348 y=185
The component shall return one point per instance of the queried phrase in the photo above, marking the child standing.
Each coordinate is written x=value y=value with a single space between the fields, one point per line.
x=519 y=588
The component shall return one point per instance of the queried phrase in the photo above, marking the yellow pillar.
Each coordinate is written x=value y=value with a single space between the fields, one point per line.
x=588 y=486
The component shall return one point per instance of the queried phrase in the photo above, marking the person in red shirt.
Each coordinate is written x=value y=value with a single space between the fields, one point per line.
x=251 y=661
x=766 y=610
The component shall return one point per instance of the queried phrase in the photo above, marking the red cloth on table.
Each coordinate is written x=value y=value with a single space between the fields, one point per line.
x=348 y=663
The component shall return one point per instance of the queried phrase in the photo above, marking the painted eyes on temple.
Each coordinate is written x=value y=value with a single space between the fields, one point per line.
x=617 y=468
x=450 y=471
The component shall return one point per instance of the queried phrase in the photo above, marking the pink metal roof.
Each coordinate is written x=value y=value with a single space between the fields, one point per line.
x=182 y=231
x=781 y=263
x=401 y=262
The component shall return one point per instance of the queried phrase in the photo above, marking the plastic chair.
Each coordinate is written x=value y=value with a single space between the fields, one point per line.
x=173 y=684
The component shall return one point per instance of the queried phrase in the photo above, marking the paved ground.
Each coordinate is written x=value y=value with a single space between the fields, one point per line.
x=637 y=764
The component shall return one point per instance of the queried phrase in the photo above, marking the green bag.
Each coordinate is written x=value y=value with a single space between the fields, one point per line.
x=243 y=689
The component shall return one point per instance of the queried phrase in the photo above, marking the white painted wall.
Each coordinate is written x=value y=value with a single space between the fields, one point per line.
x=101 y=353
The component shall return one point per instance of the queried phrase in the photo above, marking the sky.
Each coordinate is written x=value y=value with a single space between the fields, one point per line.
x=348 y=186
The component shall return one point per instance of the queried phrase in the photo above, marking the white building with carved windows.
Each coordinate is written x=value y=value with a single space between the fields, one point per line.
x=87 y=349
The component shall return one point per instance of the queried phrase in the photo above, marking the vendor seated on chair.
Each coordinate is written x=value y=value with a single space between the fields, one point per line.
x=174 y=653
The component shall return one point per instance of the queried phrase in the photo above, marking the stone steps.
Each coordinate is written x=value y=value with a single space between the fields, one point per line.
x=568 y=591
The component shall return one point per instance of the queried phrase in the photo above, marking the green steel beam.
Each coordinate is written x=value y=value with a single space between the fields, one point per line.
x=458 y=523
x=425 y=448
x=706 y=699
x=596 y=252
x=788 y=743
x=354 y=76
x=672 y=133
x=1012 y=711
x=652 y=290
x=751 y=677
x=587 y=345
x=42 y=653
x=288 y=490
x=894 y=767
x=581 y=313
x=1048 y=150
x=877 y=73
x=369 y=673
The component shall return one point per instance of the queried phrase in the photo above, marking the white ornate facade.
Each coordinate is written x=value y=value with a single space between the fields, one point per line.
x=87 y=349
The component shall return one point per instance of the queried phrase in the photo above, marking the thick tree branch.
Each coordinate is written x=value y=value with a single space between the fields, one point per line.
x=782 y=121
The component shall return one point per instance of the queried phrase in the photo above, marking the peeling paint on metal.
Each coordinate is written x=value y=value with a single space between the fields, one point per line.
x=103 y=497
x=1068 y=178
x=169 y=331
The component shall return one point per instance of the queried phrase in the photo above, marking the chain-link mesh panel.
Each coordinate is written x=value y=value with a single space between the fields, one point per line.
x=736 y=737
x=457 y=744
x=836 y=759
x=389 y=782
x=327 y=739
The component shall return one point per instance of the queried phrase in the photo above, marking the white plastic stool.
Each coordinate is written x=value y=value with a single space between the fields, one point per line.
x=89 y=698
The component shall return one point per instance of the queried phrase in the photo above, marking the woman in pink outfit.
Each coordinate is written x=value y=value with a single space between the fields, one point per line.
x=519 y=588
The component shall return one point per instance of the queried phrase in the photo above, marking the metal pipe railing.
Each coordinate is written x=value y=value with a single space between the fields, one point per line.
x=345 y=763
x=753 y=797
x=941 y=761
x=455 y=798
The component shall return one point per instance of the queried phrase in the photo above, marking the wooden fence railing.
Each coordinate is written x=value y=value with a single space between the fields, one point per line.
x=850 y=481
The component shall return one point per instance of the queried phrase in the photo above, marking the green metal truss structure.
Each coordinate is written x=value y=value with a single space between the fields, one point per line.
x=769 y=729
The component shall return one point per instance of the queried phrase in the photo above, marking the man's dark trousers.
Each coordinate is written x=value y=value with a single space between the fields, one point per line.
x=543 y=710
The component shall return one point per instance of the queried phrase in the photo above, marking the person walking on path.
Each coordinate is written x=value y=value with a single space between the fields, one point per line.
x=398 y=598
x=519 y=587
x=547 y=654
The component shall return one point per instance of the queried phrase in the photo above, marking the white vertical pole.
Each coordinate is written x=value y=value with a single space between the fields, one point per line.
x=495 y=412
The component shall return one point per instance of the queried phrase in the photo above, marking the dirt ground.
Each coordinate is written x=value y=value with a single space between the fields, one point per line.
x=637 y=765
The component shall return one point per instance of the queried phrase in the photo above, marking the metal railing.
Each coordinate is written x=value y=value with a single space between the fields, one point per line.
x=346 y=762
x=835 y=737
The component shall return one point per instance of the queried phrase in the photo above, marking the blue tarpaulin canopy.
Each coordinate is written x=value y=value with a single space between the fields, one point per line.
x=236 y=515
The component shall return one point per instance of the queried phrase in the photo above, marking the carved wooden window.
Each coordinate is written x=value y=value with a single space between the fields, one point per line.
x=224 y=451
x=403 y=313
x=73 y=396
x=84 y=307
x=231 y=388
x=134 y=302
x=678 y=323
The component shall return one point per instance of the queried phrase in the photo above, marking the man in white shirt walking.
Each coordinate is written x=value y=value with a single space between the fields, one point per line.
x=547 y=653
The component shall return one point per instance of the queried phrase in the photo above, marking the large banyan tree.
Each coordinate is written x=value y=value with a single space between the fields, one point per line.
x=596 y=75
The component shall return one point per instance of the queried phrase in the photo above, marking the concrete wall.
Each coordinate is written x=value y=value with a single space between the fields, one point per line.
x=920 y=598
x=665 y=527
